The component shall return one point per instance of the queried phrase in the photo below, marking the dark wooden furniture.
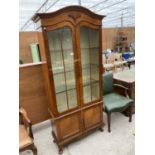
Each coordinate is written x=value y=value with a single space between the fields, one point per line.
x=71 y=43
x=127 y=79
x=25 y=133
x=113 y=101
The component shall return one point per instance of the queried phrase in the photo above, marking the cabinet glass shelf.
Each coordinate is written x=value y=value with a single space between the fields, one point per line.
x=60 y=70
x=61 y=89
x=90 y=82
x=83 y=48
x=64 y=50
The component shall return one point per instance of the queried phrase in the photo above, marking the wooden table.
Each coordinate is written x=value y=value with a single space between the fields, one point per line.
x=127 y=79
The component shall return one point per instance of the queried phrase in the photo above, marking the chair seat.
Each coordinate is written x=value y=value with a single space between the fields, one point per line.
x=24 y=138
x=114 y=102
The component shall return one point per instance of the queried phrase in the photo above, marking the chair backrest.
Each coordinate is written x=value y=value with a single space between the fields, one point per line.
x=25 y=121
x=107 y=83
x=24 y=118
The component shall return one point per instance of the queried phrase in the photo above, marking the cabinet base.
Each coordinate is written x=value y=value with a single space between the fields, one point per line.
x=68 y=140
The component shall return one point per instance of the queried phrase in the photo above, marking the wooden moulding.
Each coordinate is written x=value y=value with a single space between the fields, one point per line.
x=67 y=9
x=71 y=14
x=31 y=64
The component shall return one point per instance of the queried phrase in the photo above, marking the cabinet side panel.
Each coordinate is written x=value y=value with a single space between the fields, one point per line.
x=41 y=45
x=49 y=88
x=32 y=94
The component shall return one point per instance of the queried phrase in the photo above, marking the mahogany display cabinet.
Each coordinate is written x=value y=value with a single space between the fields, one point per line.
x=70 y=41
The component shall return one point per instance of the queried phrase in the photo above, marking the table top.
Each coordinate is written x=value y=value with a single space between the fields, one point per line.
x=125 y=76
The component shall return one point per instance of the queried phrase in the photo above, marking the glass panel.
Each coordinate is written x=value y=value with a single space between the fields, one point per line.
x=61 y=100
x=70 y=80
x=86 y=75
x=84 y=38
x=68 y=60
x=94 y=56
x=87 y=93
x=89 y=44
x=94 y=73
x=67 y=49
x=59 y=81
x=93 y=38
x=66 y=39
x=95 y=91
x=55 y=50
x=85 y=57
x=72 y=99
x=62 y=62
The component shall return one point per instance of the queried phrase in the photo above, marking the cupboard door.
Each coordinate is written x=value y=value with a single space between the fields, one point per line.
x=62 y=62
x=92 y=116
x=89 y=47
x=69 y=125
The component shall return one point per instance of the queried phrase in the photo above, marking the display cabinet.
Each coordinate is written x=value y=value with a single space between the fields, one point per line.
x=70 y=42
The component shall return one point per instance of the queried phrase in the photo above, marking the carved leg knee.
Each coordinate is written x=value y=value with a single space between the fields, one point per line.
x=101 y=129
x=60 y=149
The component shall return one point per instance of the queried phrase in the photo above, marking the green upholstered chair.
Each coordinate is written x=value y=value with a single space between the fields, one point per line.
x=114 y=102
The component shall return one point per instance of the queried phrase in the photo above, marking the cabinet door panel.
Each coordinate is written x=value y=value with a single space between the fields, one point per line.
x=54 y=44
x=62 y=65
x=69 y=126
x=92 y=116
x=89 y=47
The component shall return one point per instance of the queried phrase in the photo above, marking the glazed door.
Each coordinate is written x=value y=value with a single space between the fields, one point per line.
x=61 y=51
x=91 y=77
x=89 y=51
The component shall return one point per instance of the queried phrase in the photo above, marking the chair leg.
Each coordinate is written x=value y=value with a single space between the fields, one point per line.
x=31 y=147
x=130 y=114
x=109 y=121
